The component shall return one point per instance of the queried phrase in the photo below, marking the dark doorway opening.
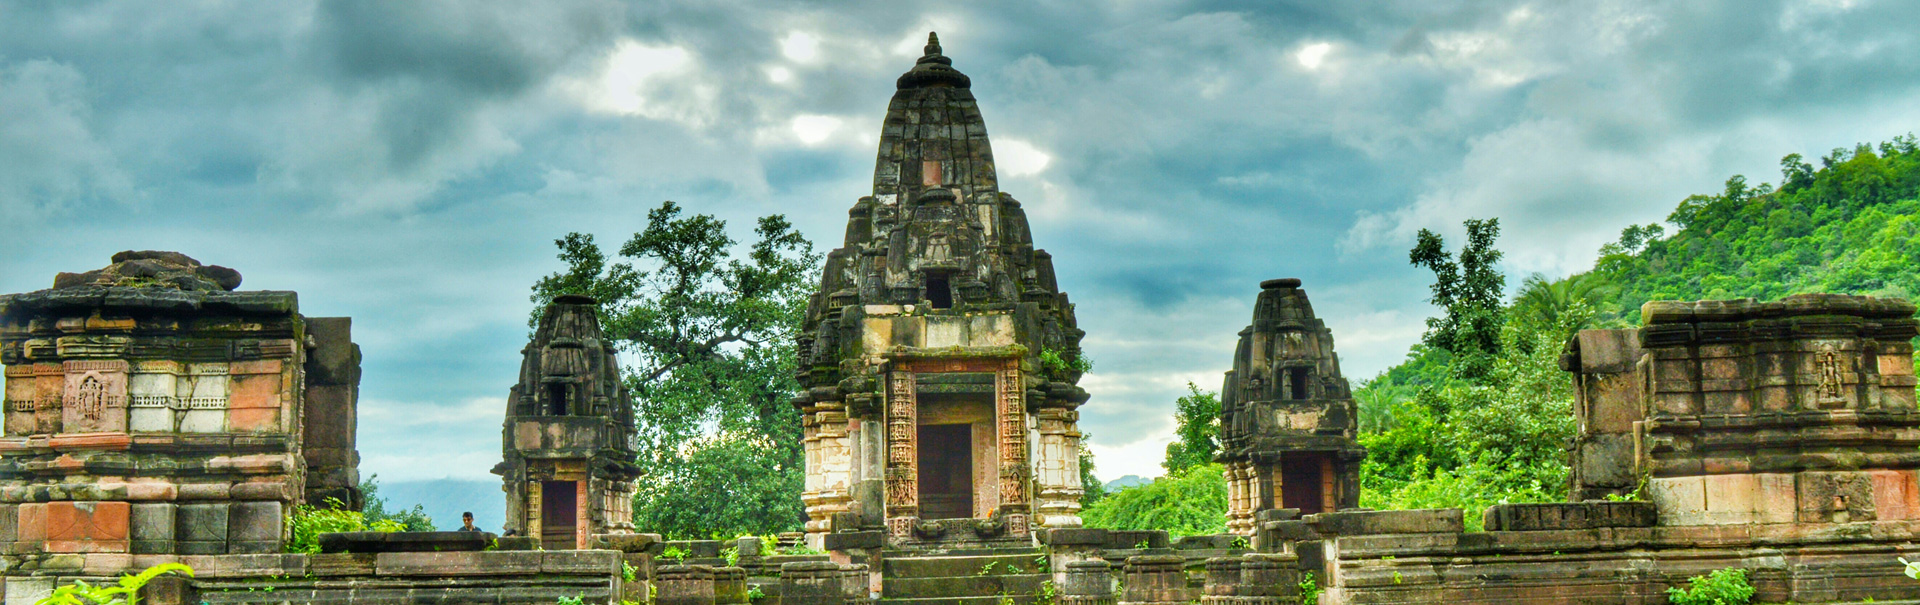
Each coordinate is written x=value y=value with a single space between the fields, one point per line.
x=1303 y=485
x=938 y=292
x=1297 y=383
x=946 y=471
x=556 y=399
x=559 y=507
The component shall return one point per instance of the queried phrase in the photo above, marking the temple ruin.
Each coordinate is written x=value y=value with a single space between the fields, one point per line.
x=938 y=354
x=1287 y=422
x=154 y=413
x=569 y=457
x=153 y=409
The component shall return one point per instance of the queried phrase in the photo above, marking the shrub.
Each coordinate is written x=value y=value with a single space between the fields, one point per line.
x=308 y=522
x=1722 y=587
x=126 y=592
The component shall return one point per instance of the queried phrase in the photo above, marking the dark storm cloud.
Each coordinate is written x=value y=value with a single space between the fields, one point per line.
x=409 y=164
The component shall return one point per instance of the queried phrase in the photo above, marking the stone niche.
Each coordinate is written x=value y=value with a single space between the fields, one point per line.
x=151 y=409
x=1739 y=412
x=1287 y=422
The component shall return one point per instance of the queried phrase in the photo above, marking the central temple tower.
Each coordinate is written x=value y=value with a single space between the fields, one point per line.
x=939 y=358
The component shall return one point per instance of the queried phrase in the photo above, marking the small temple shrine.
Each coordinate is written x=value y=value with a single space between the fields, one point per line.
x=1287 y=421
x=569 y=459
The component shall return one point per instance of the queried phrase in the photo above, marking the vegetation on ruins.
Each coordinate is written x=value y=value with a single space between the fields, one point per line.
x=707 y=342
x=1722 y=587
x=124 y=592
x=306 y=522
x=1467 y=421
x=375 y=508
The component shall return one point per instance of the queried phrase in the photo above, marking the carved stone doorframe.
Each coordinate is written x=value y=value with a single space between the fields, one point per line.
x=1010 y=420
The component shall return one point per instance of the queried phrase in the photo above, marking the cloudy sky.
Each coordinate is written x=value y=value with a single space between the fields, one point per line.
x=409 y=164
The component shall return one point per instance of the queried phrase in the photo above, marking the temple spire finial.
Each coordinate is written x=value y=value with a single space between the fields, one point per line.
x=933 y=44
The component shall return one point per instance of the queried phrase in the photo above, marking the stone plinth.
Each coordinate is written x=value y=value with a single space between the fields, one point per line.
x=410 y=541
x=152 y=410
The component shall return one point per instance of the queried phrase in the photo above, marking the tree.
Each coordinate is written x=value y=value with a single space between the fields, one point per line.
x=1469 y=294
x=375 y=509
x=1190 y=502
x=1197 y=431
x=1543 y=303
x=707 y=342
x=1092 y=490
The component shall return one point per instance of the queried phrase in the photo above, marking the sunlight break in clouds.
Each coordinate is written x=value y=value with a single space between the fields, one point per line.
x=619 y=87
x=812 y=129
x=1019 y=158
x=801 y=47
x=1311 y=55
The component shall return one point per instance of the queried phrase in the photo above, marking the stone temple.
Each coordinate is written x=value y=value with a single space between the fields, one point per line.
x=569 y=457
x=938 y=353
x=1287 y=420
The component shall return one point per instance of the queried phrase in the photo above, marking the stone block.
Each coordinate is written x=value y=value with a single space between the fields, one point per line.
x=87 y=527
x=1073 y=536
x=246 y=565
x=32 y=522
x=854 y=539
x=28 y=590
x=342 y=564
x=254 y=527
x=517 y=543
x=1681 y=500
x=9 y=523
x=1123 y=539
x=1730 y=499
x=334 y=359
x=329 y=420
x=1834 y=497
x=413 y=541
x=108 y=564
x=629 y=542
x=150 y=525
x=1359 y=523
x=201 y=529
x=255 y=404
x=580 y=562
x=259 y=490
x=1560 y=516
x=1894 y=495
x=170 y=590
x=471 y=563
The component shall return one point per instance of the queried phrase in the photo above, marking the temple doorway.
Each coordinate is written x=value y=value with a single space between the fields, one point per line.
x=1305 y=482
x=946 y=471
x=559 y=518
x=957 y=448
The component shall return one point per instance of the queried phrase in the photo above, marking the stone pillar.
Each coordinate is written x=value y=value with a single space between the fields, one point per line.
x=1269 y=579
x=1058 y=466
x=729 y=585
x=1087 y=582
x=1239 y=498
x=1157 y=580
x=815 y=583
x=829 y=456
x=685 y=585
x=854 y=582
x=1223 y=581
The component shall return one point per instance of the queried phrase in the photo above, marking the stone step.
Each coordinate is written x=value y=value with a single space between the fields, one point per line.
x=951 y=566
x=993 y=600
x=975 y=586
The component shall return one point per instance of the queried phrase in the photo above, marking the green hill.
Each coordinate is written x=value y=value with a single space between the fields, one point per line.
x=1850 y=226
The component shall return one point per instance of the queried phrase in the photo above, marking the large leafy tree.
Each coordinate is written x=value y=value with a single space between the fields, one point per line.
x=707 y=343
x=1468 y=292
x=1196 y=431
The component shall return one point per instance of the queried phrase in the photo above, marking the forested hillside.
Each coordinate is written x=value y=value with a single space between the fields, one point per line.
x=1470 y=420
x=1479 y=413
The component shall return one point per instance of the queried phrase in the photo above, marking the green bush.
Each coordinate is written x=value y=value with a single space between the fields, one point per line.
x=308 y=522
x=1186 y=503
x=126 y=592
x=1722 y=587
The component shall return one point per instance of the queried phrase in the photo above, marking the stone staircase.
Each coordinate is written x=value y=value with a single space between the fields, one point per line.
x=963 y=577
